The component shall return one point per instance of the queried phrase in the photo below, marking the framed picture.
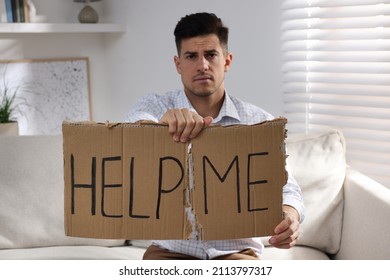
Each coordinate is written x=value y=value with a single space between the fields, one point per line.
x=47 y=92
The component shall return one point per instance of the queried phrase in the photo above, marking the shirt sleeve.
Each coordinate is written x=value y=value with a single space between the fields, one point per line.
x=150 y=107
x=292 y=196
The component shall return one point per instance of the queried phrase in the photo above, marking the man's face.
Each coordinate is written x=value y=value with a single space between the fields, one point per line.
x=202 y=64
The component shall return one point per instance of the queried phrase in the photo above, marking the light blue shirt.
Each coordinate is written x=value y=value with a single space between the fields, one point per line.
x=233 y=111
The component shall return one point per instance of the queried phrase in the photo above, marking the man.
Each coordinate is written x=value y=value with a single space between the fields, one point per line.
x=202 y=61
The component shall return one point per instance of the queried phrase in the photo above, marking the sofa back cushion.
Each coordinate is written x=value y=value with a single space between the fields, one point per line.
x=317 y=161
x=32 y=194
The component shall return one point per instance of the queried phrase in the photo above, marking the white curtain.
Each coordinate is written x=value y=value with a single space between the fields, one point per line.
x=336 y=74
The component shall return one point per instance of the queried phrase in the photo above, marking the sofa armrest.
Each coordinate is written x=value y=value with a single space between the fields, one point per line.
x=366 y=223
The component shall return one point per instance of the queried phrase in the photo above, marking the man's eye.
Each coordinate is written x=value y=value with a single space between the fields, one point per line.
x=211 y=55
x=191 y=56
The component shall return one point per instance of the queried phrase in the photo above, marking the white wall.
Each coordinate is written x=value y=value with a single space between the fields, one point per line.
x=124 y=67
x=145 y=53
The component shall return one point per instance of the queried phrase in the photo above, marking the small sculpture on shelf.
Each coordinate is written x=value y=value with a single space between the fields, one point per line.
x=32 y=13
x=88 y=14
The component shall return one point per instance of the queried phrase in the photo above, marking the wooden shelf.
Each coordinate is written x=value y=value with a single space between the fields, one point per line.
x=21 y=28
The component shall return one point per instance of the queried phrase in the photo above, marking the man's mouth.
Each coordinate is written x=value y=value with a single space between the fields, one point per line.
x=201 y=78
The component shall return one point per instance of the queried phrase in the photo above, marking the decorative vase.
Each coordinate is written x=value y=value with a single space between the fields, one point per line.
x=88 y=15
x=9 y=129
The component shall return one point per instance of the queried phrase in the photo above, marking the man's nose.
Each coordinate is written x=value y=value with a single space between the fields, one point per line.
x=203 y=64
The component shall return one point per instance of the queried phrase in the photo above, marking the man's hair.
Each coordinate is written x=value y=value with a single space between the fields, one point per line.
x=201 y=24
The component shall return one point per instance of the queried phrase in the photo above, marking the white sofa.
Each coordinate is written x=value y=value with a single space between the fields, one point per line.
x=346 y=212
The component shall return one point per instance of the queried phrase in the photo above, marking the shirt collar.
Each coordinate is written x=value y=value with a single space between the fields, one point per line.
x=228 y=108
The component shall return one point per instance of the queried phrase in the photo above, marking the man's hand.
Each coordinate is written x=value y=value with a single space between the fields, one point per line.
x=183 y=124
x=287 y=232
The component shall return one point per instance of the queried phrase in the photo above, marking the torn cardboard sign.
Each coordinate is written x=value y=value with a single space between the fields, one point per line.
x=132 y=181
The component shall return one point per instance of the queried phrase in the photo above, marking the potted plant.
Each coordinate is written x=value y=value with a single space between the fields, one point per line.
x=8 y=125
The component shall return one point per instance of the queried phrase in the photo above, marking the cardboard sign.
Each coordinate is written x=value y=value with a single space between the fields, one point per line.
x=132 y=181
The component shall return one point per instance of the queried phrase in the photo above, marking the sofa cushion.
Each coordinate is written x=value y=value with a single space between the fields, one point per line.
x=317 y=161
x=32 y=194
x=295 y=253
x=74 y=253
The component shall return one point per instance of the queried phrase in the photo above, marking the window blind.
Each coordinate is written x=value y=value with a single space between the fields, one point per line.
x=336 y=74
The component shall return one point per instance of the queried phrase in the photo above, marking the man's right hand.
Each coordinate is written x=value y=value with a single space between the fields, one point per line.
x=184 y=124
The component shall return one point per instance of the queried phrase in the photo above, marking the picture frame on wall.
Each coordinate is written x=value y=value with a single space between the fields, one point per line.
x=47 y=92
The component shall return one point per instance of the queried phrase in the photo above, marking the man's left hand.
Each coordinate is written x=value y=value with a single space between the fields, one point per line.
x=287 y=232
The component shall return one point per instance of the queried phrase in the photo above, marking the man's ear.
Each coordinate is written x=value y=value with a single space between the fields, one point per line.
x=176 y=60
x=228 y=61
